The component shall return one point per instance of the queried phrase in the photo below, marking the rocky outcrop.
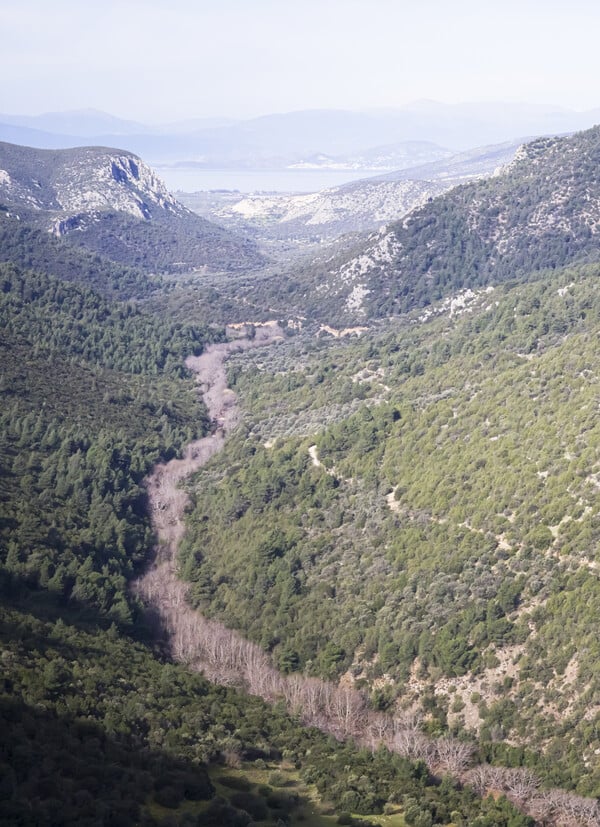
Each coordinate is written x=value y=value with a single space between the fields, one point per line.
x=112 y=203
x=541 y=212
x=81 y=180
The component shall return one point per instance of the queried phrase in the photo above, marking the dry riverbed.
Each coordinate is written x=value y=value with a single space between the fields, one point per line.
x=167 y=500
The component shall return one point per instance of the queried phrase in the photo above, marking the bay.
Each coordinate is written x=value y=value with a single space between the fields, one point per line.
x=191 y=179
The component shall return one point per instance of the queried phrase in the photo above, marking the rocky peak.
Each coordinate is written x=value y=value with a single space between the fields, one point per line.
x=87 y=179
x=112 y=203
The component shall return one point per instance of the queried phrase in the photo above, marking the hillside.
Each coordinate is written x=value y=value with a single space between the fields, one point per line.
x=540 y=213
x=94 y=392
x=321 y=216
x=432 y=519
x=357 y=207
x=462 y=166
x=110 y=202
x=25 y=245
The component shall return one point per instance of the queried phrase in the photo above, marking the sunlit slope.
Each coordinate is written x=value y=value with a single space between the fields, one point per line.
x=439 y=543
x=542 y=212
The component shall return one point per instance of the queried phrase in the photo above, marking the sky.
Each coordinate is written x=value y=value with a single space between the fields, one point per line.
x=158 y=61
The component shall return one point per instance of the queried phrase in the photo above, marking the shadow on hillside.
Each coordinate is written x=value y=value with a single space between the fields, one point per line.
x=63 y=770
x=90 y=724
x=23 y=594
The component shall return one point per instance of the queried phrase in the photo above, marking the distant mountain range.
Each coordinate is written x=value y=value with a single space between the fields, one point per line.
x=379 y=139
x=110 y=202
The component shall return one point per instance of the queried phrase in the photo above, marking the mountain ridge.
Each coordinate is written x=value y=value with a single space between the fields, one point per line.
x=293 y=137
x=111 y=202
x=540 y=212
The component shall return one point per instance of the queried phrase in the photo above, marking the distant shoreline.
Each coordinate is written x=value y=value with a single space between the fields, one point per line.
x=192 y=179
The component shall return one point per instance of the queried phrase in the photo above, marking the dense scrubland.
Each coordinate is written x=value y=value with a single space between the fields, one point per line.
x=441 y=539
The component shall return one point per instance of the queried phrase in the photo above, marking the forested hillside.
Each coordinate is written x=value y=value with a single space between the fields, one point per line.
x=129 y=739
x=93 y=393
x=26 y=246
x=540 y=213
x=436 y=547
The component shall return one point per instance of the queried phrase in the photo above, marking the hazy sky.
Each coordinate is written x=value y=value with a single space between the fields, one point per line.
x=161 y=60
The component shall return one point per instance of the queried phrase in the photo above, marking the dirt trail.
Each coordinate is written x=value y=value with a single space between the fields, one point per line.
x=167 y=500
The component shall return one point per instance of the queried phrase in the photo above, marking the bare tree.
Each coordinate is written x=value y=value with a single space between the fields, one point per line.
x=414 y=745
x=453 y=756
x=520 y=784
x=377 y=727
x=484 y=778
x=347 y=708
